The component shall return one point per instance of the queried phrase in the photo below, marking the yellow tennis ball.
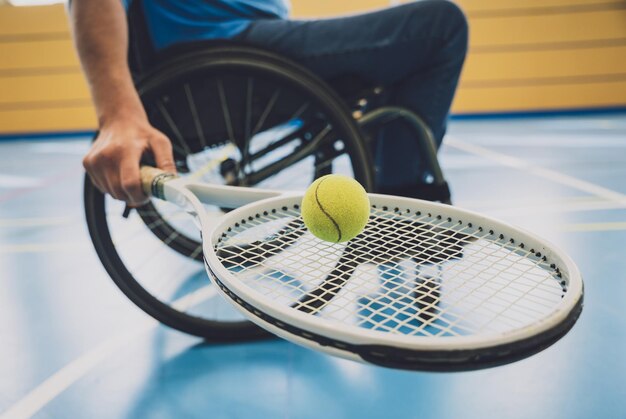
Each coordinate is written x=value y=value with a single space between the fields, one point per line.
x=335 y=208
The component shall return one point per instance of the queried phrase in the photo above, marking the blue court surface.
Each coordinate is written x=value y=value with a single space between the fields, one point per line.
x=73 y=346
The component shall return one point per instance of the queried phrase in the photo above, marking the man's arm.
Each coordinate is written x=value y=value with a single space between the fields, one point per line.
x=101 y=38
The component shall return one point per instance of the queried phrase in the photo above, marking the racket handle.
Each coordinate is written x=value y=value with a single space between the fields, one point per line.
x=153 y=179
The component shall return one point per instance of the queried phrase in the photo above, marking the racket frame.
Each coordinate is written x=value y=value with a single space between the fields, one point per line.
x=451 y=353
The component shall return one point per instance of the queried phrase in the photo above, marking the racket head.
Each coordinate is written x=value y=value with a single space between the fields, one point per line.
x=482 y=292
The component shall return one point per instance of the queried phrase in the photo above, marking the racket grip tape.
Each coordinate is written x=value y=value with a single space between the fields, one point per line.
x=153 y=179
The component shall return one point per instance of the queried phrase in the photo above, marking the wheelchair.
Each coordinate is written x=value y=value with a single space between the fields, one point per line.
x=236 y=115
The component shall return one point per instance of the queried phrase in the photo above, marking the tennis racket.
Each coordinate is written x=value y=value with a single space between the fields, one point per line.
x=425 y=286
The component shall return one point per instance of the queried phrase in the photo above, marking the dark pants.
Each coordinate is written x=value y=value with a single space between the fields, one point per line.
x=415 y=50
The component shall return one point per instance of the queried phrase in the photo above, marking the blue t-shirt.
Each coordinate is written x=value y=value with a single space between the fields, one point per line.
x=173 y=21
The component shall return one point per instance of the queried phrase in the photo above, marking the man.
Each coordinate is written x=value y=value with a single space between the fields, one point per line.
x=415 y=50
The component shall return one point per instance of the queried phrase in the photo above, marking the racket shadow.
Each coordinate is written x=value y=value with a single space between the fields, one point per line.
x=404 y=300
x=243 y=256
x=393 y=307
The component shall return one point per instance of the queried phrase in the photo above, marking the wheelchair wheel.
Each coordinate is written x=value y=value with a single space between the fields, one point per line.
x=238 y=116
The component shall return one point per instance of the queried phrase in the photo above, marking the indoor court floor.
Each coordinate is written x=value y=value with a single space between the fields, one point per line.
x=73 y=346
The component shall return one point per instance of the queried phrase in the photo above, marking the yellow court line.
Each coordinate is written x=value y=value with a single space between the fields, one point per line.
x=615 y=226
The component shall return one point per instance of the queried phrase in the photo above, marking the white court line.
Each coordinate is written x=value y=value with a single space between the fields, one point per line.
x=551 y=175
x=60 y=381
x=41 y=247
x=36 y=221
x=12 y=181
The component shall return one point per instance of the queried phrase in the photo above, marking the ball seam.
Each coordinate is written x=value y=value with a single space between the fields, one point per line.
x=319 y=204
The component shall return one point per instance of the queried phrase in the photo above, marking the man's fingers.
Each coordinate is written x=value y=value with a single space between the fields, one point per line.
x=162 y=151
x=113 y=160
x=130 y=182
x=112 y=183
x=89 y=166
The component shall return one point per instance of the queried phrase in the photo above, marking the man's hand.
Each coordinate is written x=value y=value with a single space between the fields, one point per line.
x=113 y=161
x=101 y=36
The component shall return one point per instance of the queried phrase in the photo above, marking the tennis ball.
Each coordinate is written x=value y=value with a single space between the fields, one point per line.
x=335 y=208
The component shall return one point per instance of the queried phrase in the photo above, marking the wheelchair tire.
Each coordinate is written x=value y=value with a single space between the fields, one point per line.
x=188 y=71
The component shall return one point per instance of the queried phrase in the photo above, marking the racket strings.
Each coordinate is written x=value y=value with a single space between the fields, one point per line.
x=407 y=273
x=490 y=286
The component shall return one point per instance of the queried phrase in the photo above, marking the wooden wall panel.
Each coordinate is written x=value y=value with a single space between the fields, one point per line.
x=549 y=28
x=328 y=8
x=471 y=6
x=48 y=88
x=513 y=98
x=50 y=21
x=44 y=54
x=524 y=55
x=542 y=64
x=79 y=117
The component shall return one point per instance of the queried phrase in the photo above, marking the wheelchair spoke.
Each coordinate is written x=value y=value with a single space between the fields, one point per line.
x=300 y=111
x=282 y=141
x=226 y=112
x=248 y=126
x=300 y=153
x=168 y=118
x=194 y=113
x=296 y=135
x=245 y=148
x=266 y=111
